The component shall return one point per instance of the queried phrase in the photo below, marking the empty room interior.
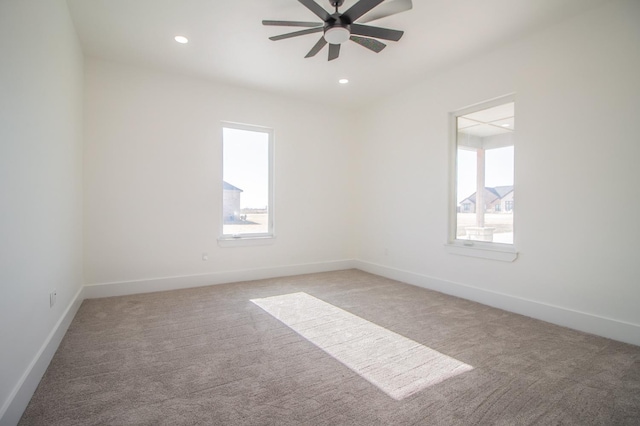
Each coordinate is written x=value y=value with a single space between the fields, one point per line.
x=287 y=212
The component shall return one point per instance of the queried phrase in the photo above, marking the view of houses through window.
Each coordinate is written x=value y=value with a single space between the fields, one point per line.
x=246 y=187
x=485 y=143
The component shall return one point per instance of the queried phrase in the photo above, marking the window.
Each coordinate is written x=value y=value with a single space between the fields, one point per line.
x=247 y=190
x=484 y=143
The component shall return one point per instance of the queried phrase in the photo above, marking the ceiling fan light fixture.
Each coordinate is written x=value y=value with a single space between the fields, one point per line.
x=337 y=35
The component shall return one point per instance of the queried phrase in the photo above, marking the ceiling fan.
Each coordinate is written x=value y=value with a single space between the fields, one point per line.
x=338 y=27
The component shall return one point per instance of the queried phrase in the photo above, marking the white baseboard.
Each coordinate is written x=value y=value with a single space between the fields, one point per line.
x=589 y=323
x=15 y=405
x=150 y=285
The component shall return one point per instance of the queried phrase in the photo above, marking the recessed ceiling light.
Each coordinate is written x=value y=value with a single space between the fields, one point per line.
x=181 y=39
x=505 y=125
x=343 y=81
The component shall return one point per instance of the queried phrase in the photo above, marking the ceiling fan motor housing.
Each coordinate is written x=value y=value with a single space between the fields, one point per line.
x=336 y=31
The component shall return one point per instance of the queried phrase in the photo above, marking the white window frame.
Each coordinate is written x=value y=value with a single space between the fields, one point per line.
x=261 y=238
x=481 y=249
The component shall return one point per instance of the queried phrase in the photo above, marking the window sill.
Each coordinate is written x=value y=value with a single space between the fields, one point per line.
x=492 y=253
x=262 y=240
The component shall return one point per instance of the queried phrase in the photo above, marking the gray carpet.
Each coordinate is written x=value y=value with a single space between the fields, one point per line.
x=219 y=355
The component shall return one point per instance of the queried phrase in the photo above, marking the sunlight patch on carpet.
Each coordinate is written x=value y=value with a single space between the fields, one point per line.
x=396 y=365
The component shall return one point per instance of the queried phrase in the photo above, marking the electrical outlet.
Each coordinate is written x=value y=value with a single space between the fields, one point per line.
x=52 y=298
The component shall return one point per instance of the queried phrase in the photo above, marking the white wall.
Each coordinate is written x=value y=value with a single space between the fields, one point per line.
x=40 y=186
x=153 y=193
x=577 y=195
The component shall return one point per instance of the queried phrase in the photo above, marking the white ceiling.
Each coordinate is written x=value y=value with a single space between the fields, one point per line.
x=229 y=44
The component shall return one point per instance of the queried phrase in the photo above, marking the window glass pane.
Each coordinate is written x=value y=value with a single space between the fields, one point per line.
x=484 y=174
x=245 y=185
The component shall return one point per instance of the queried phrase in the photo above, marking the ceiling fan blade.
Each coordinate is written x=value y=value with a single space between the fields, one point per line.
x=316 y=48
x=292 y=23
x=316 y=9
x=376 y=32
x=360 y=8
x=296 y=34
x=369 y=43
x=334 y=51
x=388 y=8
